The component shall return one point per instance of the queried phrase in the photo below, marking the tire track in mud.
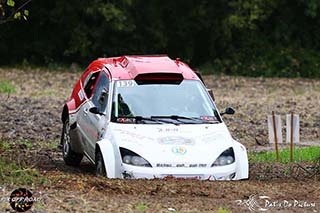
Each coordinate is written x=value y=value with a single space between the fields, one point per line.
x=30 y=119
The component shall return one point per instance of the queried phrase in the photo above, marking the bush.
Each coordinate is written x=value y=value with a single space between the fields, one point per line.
x=273 y=62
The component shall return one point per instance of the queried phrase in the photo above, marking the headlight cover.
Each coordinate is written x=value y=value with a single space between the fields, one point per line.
x=131 y=158
x=226 y=158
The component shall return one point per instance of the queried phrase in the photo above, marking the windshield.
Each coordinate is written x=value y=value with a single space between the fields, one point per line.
x=184 y=100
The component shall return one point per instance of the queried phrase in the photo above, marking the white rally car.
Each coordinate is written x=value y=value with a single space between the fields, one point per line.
x=149 y=117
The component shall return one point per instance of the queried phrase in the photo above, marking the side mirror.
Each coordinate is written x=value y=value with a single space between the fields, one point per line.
x=228 y=111
x=95 y=110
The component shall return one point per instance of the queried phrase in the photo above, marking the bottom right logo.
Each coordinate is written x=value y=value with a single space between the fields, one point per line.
x=264 y=203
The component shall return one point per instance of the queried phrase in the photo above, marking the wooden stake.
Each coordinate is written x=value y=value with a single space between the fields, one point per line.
x=275 y=135
x=291 y=138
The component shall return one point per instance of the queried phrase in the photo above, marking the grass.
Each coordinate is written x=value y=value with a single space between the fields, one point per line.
x=6 y=87
x=26 y=143
x=12 y=174
x=5 y=145
x=306 y=154
x=141 y=207
x=223 y=210
x=49 y=144
x=9 y=145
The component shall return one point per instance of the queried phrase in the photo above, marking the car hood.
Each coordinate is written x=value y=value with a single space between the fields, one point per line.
x=168 y=143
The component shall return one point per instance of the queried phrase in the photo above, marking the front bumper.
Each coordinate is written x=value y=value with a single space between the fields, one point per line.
x=228 y=172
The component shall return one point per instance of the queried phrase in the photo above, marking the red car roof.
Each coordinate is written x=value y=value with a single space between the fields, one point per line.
x=128 y=67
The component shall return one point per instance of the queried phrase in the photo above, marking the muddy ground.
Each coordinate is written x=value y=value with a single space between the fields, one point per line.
x=32 y=114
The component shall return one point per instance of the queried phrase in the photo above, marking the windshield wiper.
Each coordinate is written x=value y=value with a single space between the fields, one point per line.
x=178 y=118
x=141 y=118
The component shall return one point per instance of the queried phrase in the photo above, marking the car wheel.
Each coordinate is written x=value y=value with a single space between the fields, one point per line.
x=100 y=167
x=69 y=156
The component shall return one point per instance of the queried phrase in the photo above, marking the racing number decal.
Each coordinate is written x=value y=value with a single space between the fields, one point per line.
x=125 y=84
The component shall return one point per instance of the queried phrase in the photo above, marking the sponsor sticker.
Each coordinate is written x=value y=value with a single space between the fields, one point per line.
x=80 y=95
x=179 y=150
x=175 y=140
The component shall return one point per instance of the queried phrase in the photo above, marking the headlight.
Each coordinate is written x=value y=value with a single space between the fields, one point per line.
x=129 y=157
x=226 y=158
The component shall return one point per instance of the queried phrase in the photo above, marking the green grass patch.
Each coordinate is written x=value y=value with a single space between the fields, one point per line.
x=49 y=144
x=141 y=207
x=5 y=145
x=12 y=174
x=305 y=154
x=26 y=143
x=223 y=210
x=6 y=87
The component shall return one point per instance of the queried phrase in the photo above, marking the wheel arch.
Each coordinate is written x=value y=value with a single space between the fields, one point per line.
x=64 y=116
x=110 y=158
x=65 y=113
x=69 y=111
x=242 y=161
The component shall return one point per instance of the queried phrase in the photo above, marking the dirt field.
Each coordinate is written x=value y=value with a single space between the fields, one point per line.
x=30 y=122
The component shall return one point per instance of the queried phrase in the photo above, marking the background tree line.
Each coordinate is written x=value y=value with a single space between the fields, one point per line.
x=245 y=37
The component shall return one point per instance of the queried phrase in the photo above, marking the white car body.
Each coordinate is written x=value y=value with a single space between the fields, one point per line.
x=199 y=145
x=165 y=148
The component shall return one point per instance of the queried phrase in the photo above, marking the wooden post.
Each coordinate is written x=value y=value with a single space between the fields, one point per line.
x=291 y=138
x=275 y=135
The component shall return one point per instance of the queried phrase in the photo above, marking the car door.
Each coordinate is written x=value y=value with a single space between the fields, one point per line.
x=90 y=123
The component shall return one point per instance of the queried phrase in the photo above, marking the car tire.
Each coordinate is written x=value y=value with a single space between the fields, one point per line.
x=69 y=156
x=100 y=167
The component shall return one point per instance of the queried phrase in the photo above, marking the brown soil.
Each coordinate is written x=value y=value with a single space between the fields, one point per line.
x=33 y=114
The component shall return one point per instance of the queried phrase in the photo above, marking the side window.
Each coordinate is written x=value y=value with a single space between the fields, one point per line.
x=90 y=84
x=101 y=93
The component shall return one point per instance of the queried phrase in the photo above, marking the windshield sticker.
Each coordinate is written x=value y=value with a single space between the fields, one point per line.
x=208 y=118
x=179 y=150
x=126 y=120
x=176 y=140
x=125 y=83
